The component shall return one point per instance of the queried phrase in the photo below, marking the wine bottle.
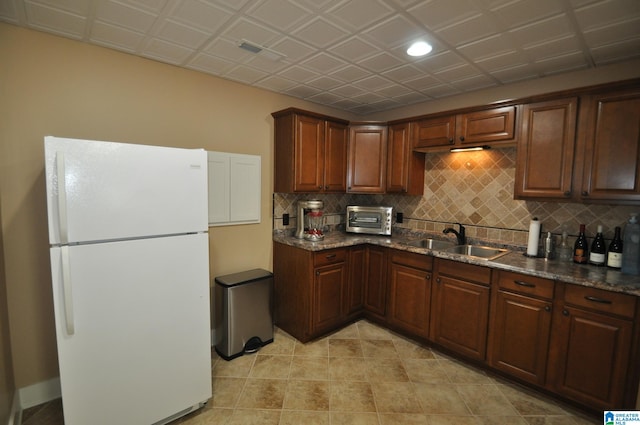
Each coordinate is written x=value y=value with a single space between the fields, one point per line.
x=581 y=248
x=614 y=260
x=598 y=252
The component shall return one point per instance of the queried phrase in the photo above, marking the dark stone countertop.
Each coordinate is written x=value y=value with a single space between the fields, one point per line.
x=585 y=275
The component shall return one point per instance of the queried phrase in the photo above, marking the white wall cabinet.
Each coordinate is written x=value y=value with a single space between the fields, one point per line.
x=234 y=188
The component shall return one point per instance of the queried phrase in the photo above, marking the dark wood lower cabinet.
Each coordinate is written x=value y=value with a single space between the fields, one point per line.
x=578 y=342
x=593 y=333
x=327 y=311
x=460 y=308
x=375 y=283
x=409 y=293
x=520 y=325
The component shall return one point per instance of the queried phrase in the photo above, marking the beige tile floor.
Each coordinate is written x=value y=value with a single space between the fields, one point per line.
x=361 y=375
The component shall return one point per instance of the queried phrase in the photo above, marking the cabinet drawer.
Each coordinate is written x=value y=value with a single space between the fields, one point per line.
x=463 y=271
x=411 y=259
x=524 y=284
x=329 y=256
x=597 y=299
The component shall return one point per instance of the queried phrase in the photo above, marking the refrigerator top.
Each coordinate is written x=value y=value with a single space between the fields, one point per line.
x=100 y=191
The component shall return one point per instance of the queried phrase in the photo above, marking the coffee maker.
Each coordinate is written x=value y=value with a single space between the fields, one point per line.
x=310 y=220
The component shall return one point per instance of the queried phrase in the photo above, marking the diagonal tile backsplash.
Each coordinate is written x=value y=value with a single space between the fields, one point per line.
x=475 y=189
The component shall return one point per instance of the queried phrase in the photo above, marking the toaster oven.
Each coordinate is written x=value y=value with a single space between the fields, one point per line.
x=371 y=220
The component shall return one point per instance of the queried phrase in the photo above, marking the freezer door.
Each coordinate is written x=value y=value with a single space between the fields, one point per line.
x=138 y=350
x=99 y=191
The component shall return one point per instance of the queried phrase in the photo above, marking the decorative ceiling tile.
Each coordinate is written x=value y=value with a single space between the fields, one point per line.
x=320 y=33
x=354 y=49
x=358 y=14
x=182 y=34
x=115 y=37
x=475 y=42
x=54 y=20
x=282 y=14
x=165 y=51
x=125 y=16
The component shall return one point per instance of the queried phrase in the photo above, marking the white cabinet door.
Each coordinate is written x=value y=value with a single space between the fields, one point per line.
x=234 y=188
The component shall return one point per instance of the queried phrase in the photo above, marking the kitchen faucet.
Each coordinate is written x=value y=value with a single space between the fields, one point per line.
x=460 y=235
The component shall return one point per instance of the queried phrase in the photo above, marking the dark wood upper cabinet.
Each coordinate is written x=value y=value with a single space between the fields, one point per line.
x=546 y=146
x=310 y=152
x=612 y=147
x=491 y=125
x=405 y=168
x=484 y=127
x=434 y=132
x=366 y=169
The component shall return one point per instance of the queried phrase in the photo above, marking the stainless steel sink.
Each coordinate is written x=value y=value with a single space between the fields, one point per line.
x=483 y=252
x=431 y=244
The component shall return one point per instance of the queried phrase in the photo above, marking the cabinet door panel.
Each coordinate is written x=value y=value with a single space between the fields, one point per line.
x=354 y=298
x=309 y=154
x=405 y=168
x=544 y=166
x=519 y=337
x=612 y=164
x=328 y=297
x=492 y=125
x=593 y=357
x=335 y=166
x=434 y=132
x=409 y=299
x=375 y=285
x=460 y=315
x=366 y=171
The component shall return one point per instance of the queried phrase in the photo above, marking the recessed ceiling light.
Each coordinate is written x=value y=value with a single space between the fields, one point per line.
x=419 y=48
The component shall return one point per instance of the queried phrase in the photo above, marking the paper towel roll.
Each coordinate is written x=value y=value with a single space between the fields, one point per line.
x=534 y=237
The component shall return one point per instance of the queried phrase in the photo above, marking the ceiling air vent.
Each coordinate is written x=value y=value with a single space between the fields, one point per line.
x=259 y=50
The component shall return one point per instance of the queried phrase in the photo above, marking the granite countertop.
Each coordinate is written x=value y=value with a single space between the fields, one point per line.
x=585 y=275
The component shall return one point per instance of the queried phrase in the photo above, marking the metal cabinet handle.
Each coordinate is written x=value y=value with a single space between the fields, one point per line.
x=462 y=138
x=438 y=280
x=330 y=256
x=428 y=277
x=567 y=193
x=547 y=308
x=585 y=193
x=597 y=300
x=451 y=141
x=525 y=284
x=565 y=312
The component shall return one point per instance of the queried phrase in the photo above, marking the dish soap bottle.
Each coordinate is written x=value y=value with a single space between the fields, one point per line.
x=631 y=247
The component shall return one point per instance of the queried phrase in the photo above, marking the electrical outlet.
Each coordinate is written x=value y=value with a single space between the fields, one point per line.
x=285 y=219
x=399 y=217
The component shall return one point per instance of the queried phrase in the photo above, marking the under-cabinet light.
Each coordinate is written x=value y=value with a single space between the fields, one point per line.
x=471 y=148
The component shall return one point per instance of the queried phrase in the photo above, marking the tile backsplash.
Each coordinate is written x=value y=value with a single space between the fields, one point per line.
x=475 y=189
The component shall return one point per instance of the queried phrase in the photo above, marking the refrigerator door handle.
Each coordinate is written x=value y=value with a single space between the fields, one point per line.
x=66 y=289
x=62 y=198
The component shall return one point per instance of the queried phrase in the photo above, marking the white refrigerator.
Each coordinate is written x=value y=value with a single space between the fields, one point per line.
x=130 y=272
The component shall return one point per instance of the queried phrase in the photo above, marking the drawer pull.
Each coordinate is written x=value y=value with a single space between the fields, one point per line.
x=330 y=256
x=525 y=284
x=547 y=308
x=597 y=300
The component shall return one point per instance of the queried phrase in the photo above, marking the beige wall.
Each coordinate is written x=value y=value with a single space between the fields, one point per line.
x=7 y=387
x=54 y=86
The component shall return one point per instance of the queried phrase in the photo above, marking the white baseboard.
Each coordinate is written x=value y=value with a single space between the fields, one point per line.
x=39 y=393
x=15 y=416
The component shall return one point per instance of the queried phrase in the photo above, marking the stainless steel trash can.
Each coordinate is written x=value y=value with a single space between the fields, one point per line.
x=243 y=316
